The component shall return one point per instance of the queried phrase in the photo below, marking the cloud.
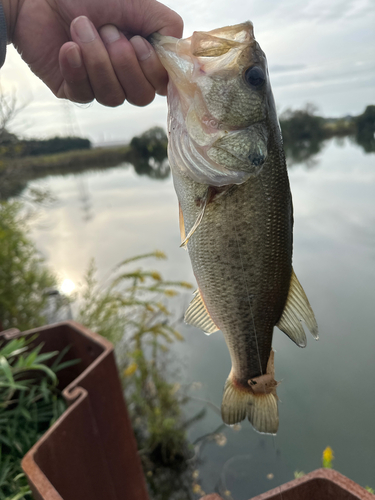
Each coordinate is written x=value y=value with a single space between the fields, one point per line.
x=285 y=68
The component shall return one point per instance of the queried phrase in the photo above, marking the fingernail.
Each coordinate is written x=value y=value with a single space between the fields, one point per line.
x=141 y=48
x=84 y=29
x=109 y=33
x=74 y=57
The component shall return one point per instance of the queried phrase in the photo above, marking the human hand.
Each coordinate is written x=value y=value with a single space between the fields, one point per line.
x=91 y=49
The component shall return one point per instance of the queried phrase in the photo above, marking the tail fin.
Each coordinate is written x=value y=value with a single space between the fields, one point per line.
x=257 y=401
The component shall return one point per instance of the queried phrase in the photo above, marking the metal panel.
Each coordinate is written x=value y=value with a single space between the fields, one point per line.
x=90 y=452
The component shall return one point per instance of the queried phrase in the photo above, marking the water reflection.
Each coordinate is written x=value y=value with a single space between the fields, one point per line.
x=334 y=255
x=305 y=134
x=149 y=154
x=85 y=199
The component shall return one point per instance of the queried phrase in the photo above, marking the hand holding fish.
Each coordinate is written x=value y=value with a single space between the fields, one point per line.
x=90 y=49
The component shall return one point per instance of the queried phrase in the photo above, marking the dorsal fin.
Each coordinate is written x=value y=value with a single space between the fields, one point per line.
x=297 y=309
x=198 y=316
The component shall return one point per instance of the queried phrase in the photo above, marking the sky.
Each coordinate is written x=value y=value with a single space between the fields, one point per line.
x=318 y=51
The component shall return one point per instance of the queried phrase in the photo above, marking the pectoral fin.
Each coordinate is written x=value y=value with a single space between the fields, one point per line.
x=198 y=316
x=297 y=309
x=182 y=223
x=198 y=220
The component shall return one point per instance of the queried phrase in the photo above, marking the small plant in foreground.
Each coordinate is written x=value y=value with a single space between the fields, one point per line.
x=30 y=402
x=327 y=458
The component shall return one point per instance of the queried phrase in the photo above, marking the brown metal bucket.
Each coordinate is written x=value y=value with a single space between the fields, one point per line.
x=90 y=453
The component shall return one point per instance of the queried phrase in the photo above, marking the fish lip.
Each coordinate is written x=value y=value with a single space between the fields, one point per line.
x=154 y=38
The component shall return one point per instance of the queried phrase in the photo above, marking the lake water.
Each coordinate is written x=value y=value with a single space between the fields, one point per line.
x=327 y=391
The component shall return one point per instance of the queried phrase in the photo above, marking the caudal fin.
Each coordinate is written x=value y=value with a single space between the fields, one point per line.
x=257 y=401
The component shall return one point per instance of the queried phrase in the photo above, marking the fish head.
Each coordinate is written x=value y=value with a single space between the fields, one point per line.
x=220 y=100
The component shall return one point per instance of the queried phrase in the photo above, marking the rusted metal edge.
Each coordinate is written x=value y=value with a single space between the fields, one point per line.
x=90 y=452
x=37 y=480
x=292 y=489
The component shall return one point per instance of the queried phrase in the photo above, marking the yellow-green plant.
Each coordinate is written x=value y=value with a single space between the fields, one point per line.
x=327 y=458
x=132 y=311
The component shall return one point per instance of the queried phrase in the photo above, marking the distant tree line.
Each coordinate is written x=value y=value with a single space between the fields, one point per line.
x=304 y=131
x=365 y=129
x=12 y=147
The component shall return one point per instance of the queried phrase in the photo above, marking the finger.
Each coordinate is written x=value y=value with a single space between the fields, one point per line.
x=104 y=82
x=150 y=64
x=76 y=86
x=137 y=87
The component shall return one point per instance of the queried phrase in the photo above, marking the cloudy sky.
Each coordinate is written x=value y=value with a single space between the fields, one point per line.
x=318 y=51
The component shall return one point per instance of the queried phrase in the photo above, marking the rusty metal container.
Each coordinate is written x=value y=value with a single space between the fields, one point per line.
x=321 y=484
x=90 y=453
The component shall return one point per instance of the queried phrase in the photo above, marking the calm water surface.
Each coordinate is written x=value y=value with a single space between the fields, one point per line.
x=327 y=392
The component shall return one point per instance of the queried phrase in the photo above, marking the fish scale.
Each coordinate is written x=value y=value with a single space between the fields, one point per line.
x=261 y=210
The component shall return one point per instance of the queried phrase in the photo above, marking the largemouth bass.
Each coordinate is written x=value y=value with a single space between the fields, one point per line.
x=236 y=216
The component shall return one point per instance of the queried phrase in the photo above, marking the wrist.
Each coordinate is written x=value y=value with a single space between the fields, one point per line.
x=10 y=8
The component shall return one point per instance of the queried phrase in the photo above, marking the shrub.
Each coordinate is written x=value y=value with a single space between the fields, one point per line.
x=24 y=278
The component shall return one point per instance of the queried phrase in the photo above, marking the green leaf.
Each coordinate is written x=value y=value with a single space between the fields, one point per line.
x=5 y=367
x=41 y=358
x=46 y=370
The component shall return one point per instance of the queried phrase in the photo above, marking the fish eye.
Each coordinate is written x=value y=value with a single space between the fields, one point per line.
x=255 y=76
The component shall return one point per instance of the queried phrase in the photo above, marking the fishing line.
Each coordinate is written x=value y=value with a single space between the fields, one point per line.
x=274 y=447
x=248 y=296
x=255 y=332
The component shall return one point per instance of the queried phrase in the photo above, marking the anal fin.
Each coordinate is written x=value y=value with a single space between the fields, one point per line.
x=297 y=308
x=197 y=315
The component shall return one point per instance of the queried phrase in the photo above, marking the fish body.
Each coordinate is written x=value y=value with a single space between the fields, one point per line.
x=236 y=215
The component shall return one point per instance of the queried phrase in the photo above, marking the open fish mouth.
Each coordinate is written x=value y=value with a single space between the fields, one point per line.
x=212 y=96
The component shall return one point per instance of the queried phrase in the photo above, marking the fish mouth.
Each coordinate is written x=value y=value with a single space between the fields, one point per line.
x=203 y=51
x=205 y=143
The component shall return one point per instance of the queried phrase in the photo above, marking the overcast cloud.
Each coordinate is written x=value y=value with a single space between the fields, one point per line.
x=318 y=51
